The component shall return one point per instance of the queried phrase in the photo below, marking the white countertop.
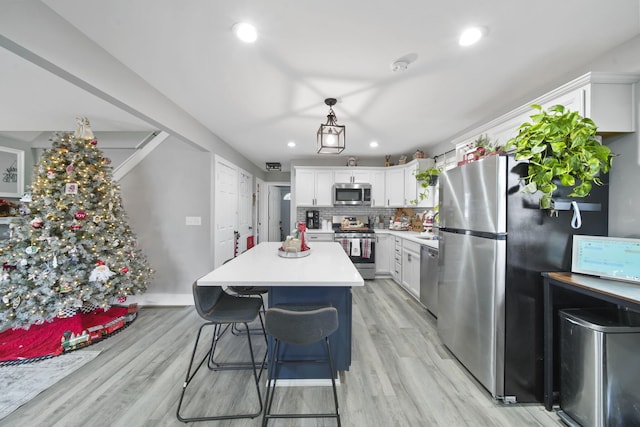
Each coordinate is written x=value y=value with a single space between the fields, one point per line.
x=319 y=231
x=327 y=265
x=409 y=235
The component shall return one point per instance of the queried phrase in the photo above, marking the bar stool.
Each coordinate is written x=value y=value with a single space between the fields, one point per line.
x=247 y=291
x=221 y=311
x=299 y=325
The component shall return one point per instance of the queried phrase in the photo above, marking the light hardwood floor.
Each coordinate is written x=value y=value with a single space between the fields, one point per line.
x=401 y=375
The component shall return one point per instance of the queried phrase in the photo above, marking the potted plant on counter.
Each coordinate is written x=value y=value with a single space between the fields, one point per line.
x=562 y=148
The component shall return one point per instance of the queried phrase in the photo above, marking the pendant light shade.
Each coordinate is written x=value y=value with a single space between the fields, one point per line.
x=331 y=135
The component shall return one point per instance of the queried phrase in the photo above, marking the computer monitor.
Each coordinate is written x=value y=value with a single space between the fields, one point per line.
x=608 y=257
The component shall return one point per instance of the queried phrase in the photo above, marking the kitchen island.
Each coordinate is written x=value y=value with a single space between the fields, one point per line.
x=325 y=276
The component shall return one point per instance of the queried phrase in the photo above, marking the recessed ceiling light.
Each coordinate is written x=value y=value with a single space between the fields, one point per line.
x=373 y=144
x=245 y=32
x=291 y=144
x=471 y=36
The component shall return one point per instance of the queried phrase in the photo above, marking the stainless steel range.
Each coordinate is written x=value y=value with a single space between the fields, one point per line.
x=358 y=241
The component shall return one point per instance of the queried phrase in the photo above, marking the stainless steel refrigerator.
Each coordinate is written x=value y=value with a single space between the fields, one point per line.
x=494 y=243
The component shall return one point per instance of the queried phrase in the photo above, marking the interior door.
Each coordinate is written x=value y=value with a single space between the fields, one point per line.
x=245 y=203
x=226 y=209
x=261 y=212
x=274 y=214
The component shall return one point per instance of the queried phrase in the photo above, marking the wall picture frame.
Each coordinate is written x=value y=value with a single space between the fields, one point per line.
x=11 y=172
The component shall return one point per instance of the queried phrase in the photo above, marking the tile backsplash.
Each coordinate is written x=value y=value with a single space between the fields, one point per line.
x=326 y=213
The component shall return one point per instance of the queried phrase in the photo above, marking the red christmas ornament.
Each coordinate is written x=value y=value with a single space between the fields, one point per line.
x=37 y=223
x=81 y=215
x=75 y=227
x=99 y=262
x=8 y=267
x=94 y=142
x=124 y=269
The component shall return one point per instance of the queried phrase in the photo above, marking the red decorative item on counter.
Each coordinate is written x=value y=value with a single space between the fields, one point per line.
x=302 y=227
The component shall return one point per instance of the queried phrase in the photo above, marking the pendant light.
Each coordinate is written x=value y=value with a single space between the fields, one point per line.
x=331 y=135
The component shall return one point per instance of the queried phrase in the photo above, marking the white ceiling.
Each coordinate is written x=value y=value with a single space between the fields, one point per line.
x=258 y=97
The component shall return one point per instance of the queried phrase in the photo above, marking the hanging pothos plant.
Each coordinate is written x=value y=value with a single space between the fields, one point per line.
x=562 y=148
x=426 y=178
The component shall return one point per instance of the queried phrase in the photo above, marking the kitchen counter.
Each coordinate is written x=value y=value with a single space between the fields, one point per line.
x=409 y=235
x=326 y=276
x=326 y=266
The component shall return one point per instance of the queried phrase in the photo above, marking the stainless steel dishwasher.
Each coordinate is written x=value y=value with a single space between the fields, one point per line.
x=429 y=278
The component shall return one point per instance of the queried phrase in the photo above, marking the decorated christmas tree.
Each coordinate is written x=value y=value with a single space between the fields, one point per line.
x=71 y=248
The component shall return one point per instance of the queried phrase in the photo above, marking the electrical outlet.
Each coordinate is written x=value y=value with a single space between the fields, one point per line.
x=193 y=220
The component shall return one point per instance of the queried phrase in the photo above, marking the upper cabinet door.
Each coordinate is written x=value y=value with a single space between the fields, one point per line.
x=395 y=187
x=313 y=187
x=377 y=180
x=362 y=177
x=324 y=188
x=342 y=176
x=305 y=187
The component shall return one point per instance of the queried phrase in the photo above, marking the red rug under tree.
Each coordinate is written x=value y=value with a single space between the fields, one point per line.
x=46 y=339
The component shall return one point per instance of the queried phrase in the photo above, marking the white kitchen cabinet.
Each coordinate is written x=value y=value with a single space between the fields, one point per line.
x=394 y=184
x=318 y=236
x=378 y=188
x=375 y=177
x=352 y=176
x=605 y=98
x=412 y=188
x=411 y=267
x=385 y=253
x=313 y=187
x=396 y=267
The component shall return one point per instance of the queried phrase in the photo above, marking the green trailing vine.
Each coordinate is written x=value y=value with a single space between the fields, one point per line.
x=561 y=147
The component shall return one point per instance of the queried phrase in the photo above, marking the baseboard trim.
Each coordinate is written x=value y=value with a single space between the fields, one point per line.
x=162 y=300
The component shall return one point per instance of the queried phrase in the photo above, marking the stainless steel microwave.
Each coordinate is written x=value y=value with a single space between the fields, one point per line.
x=347 y=194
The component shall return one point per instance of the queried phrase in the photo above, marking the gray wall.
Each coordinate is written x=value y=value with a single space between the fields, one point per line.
x=172 y=182
x=624 y=203
x=624 y=196
x=28 y=156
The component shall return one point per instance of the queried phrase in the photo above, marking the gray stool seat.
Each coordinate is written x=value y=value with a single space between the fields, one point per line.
x=222 y=311
x=299 y=325
x=231 y=309
x=249 y=290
